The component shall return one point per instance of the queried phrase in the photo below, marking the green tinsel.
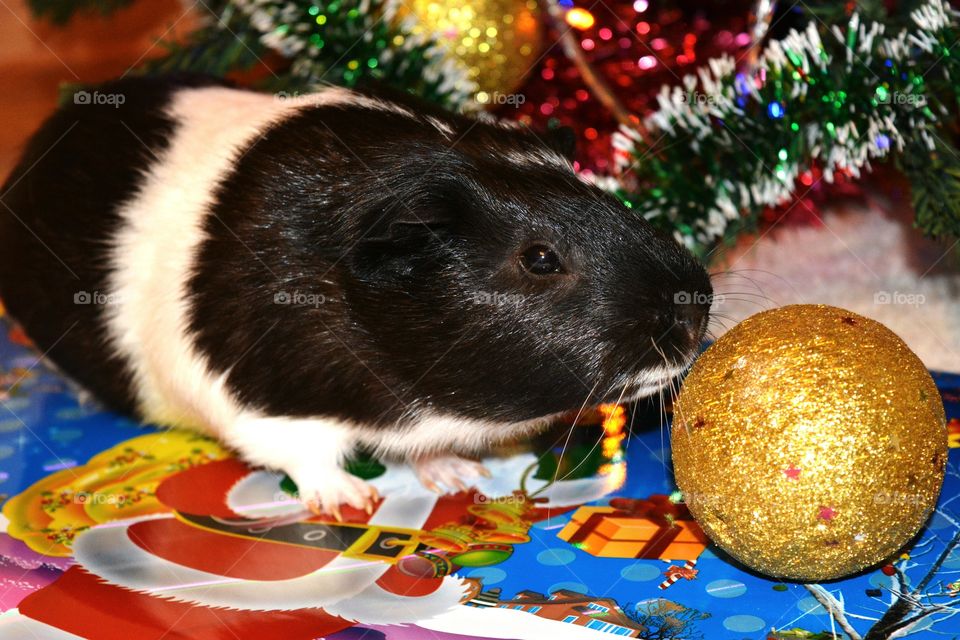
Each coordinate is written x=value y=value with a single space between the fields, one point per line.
x=722 y=147
x=338 y=42
x=725 y=145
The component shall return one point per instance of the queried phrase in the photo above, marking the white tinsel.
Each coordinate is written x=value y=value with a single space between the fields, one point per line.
x=688 y=109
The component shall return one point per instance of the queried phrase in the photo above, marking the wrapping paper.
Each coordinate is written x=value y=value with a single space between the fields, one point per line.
x=112 y=529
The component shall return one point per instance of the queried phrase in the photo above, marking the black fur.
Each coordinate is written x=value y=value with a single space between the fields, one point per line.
x=397 y=248
x=404 y=234
x=58 y=209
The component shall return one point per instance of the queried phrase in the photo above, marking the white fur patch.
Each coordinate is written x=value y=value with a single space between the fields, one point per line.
x=339 y=95
x=156 y=248
x=650 y=382
x=434 y=433
x=310 y=450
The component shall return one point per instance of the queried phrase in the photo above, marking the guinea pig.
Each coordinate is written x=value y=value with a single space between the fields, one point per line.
x=307 y=276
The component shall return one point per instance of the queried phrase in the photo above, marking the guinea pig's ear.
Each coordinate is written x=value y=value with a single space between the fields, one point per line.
x=399 y=222
x=563 y=140
x=398 y=242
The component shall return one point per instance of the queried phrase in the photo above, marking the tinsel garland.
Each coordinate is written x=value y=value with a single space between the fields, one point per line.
x=721 y=147
x=725 y=145
x=332 y=42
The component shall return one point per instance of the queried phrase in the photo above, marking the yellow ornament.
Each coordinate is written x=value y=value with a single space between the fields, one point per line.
x=498 y=40
x=809 y=442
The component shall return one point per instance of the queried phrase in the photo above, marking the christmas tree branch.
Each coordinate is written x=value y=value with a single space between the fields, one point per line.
x=322 y=42
x=833 y=101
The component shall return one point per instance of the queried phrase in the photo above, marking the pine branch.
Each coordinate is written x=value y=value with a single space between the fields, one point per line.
x=225 y=44
x=312 y=43
x=935 y=187
x=831 y=99
x=350 y=42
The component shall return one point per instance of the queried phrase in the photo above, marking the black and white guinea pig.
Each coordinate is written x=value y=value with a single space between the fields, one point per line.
x=304 y=276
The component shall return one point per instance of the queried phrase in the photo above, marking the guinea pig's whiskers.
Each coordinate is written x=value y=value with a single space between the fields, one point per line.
x=633 y=416
x=573 y=426
x=305 y=276
x=613 y=385
x=722 y=316
x=748 y=294
x=721 y=319
x=408 y=412
x=735 y=273
x=663 y=408
x=595 y=444
x=718 y=253
x=674 y=382
x=743 y=296
x=729 y=279
x=663 y=356
x=730 y=274
x=741 y=273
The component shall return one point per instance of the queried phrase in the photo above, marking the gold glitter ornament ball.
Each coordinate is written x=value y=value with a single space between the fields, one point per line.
x=809 y=442
x=498 y=40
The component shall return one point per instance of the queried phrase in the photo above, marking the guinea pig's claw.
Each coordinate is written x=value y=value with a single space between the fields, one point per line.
x=339 y=488
x=317 y=509
x=440 y=473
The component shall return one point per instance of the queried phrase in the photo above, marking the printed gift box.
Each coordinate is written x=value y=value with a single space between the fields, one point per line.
x=654 y=528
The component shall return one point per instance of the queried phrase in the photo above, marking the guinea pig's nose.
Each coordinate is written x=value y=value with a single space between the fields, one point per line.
x=691 y=310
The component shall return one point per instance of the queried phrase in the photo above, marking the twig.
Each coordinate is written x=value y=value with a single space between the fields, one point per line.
x=834 y=608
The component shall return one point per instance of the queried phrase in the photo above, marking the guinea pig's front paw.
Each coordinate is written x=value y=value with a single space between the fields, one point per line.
x=324 y=493
x=435 y=472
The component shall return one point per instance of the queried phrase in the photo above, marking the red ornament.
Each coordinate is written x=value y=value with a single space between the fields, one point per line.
x=635 y=52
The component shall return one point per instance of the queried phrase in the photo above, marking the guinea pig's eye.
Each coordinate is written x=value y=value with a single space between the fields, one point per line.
x=541 y=260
